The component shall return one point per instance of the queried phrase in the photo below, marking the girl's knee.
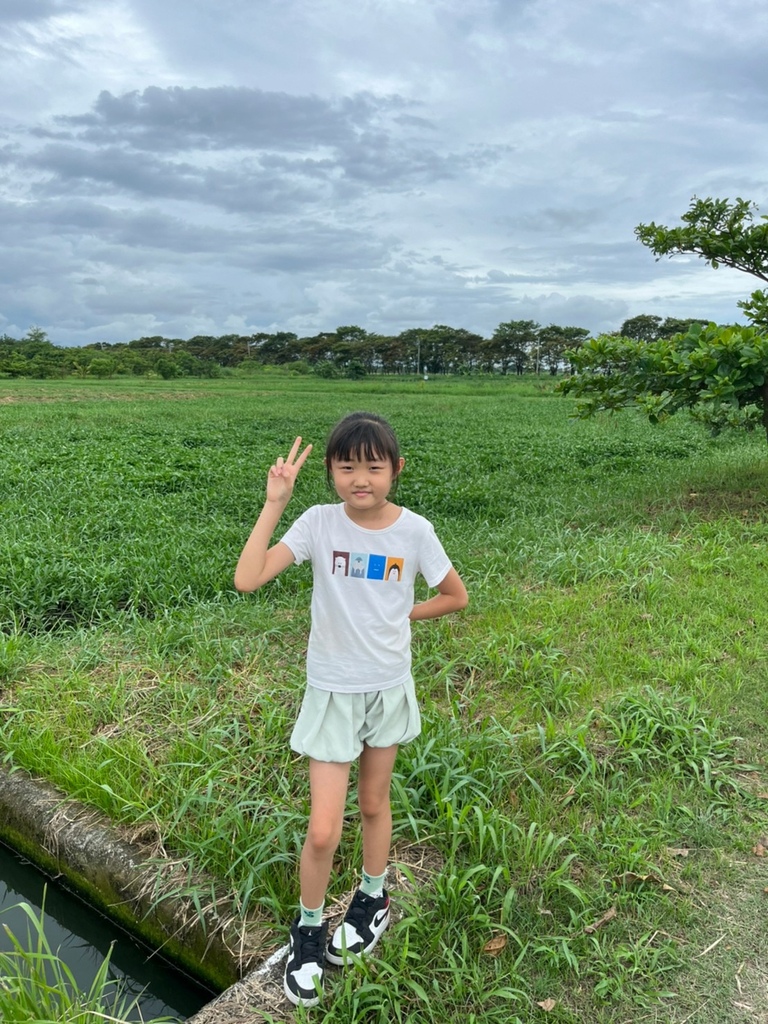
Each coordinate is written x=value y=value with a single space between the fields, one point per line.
x=373 y=804
x=323 y=838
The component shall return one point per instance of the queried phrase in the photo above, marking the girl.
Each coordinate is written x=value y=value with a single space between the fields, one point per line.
x=360 y=700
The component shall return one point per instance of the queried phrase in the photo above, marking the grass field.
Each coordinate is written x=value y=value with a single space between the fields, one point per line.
x=582 y=819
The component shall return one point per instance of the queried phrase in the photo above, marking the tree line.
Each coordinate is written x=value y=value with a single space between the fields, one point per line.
x=515 y=347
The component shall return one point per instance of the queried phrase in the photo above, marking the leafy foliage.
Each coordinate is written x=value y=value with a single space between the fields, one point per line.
x=724 y=234
x=718 y=230
x=718 y=373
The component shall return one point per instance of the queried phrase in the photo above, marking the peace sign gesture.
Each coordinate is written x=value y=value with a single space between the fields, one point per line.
x=282 y=475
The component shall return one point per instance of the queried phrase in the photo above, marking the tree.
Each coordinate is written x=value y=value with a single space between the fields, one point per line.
x=394 y=354
x=318 y=348
x=279 y=348
x=724 y=234
x=355 y=370
x=441 y=348
x=37 y=337
x=326 y=369
x=555 y=342
x=512 y=343
x=167 y=367
x=719 y=373
x=101 y=367
x=674 y=325
x=644 y=327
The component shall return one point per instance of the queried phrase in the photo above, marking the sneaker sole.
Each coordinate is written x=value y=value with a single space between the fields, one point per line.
x=299 y=1000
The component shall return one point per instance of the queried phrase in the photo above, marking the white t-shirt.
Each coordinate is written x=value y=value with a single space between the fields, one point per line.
x=362 y=594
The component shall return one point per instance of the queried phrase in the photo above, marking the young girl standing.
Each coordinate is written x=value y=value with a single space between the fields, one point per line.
x=360 y=701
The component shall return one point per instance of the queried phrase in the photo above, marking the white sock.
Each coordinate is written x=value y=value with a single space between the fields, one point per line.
x=373 y=885
x=311 y=918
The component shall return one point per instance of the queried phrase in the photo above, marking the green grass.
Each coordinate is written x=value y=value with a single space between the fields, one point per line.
x=36 y=986
x=588 y=783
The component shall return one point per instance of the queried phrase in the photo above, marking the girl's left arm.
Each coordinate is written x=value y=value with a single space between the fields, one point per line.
x=451 y=596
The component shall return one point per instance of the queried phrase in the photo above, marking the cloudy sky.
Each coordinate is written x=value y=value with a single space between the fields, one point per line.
x=183 y=167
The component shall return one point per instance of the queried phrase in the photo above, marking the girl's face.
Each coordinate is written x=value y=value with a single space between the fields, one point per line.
x=364 y=484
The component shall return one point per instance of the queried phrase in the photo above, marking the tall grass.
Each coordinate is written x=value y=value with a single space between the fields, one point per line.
x=598 y=706
x=36 y=986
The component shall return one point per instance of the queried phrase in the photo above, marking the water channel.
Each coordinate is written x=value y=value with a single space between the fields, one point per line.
x=82 y=937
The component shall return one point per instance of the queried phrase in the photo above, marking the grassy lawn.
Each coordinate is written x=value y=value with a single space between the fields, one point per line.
x=579 y=827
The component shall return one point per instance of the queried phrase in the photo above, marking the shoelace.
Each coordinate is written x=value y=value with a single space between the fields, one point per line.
x=309 y=948
x=357 y=913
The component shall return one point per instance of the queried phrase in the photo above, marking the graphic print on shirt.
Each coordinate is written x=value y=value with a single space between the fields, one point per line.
x=340 y=563
x=376 y=567
x=394 y=569
x=359 y=565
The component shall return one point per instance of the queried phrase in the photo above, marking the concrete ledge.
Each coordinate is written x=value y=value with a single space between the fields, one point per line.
x=69 y=841
x=246 y=1001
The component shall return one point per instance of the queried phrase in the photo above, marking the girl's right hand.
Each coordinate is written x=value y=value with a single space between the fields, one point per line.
x=282 y=475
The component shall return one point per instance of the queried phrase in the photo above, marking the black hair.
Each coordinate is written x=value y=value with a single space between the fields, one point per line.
x=362 y=435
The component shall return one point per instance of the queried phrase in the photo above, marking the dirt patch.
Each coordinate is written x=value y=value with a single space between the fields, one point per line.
x=746 y=499
x=750 y=504
x=727 y=982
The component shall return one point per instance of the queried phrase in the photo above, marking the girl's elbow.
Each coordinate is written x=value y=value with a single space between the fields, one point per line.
x=243 y=585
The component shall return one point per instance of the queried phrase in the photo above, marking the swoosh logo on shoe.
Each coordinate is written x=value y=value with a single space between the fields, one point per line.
x=380 y=916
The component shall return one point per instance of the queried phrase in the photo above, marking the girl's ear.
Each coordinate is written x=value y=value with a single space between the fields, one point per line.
x=400 y=465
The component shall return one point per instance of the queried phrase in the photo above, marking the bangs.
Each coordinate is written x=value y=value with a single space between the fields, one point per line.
x=363 y=436
x=364 y=447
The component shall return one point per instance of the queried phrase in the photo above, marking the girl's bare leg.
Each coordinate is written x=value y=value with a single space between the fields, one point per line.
x=376 y=765
x=328 y=783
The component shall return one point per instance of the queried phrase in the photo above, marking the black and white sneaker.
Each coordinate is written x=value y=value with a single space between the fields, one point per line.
x=363 y=925
x=303 y=980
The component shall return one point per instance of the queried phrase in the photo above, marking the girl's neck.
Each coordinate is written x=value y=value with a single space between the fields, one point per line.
x=375 y=518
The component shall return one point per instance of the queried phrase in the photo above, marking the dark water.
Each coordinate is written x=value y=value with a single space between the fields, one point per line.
x=82 y=937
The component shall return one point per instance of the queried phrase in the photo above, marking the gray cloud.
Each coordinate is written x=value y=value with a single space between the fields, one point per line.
x=33 y=10
x=300 y=142
x=197 y=118
x=182 y=168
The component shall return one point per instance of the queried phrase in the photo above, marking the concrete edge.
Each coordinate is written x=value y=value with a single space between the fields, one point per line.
x=79 y=845
x=246 y=1001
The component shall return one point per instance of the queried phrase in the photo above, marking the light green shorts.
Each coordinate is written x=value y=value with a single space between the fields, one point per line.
x=334 y=726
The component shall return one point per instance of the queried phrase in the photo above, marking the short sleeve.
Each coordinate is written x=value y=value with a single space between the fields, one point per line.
x=298 y=537
x=434 y=563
